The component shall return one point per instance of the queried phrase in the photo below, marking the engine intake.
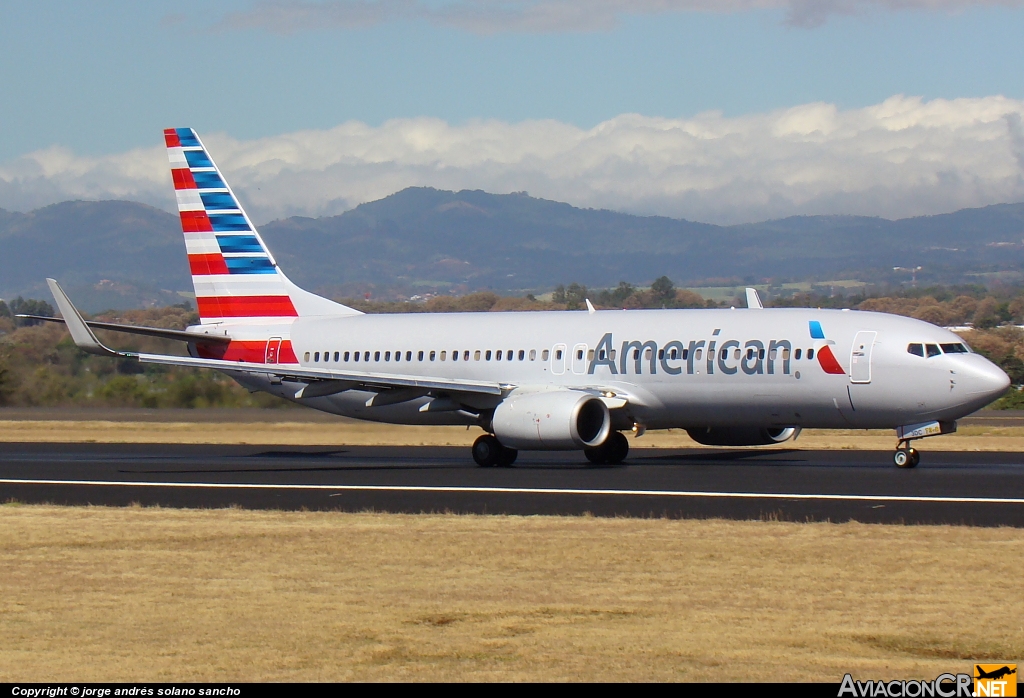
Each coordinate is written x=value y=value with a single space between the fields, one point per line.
x=742 y=436
x=554 y=420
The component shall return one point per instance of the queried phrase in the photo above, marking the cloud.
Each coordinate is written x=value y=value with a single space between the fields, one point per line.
x=903 y=157
x=547 y=16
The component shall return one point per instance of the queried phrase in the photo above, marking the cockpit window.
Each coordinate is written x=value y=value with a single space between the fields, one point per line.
x=955 y=348
x=933 y=350
x=916 y=349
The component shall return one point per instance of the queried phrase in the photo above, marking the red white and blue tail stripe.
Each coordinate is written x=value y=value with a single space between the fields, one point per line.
x=234 y=274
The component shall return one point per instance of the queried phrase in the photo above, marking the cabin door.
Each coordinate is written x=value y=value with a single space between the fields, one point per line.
x=860 y=357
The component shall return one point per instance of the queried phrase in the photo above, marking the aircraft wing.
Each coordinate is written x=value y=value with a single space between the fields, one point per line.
x=160 y=332
x=330 y=381
x=354 y=378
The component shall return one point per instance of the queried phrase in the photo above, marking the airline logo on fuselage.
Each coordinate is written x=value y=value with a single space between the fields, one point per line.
x=730 y=357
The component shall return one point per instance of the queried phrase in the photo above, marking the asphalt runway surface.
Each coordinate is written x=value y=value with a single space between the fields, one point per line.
x=976 y=488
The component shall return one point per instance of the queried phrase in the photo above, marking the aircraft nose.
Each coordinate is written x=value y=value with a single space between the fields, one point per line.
x=985 y=380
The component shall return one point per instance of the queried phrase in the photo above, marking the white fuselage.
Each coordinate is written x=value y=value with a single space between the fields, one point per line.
x=676 y=368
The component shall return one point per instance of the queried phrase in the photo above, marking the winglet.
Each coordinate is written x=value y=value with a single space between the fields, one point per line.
x=590 y=306
x=80 y=332
x=753 y=300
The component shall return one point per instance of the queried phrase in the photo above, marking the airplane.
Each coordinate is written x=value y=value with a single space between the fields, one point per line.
x=569 y=380
x=996 y=674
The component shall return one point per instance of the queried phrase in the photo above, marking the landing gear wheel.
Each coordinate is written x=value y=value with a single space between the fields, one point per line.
x=612 y=452
x=906 y=458
x=487 y=451
x=617 y=447
x=508 y=457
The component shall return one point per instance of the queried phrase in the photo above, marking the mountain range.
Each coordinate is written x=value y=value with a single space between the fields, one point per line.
x=418 y=240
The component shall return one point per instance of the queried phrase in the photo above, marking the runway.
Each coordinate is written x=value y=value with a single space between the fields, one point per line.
x=953 y=488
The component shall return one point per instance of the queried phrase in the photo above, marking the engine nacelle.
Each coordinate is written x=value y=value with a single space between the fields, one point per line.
x=743 y=436
x=553 y=420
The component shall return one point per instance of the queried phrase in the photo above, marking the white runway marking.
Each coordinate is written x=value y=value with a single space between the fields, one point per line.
x=524 y=490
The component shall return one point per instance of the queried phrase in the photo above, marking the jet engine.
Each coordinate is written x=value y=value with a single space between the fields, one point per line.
x=742 y=436
x=552 y=420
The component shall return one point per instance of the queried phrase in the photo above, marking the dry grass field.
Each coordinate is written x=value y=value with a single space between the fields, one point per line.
x=352 y=433
x=92 y=594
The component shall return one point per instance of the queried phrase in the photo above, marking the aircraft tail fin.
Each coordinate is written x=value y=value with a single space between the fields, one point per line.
x=233 y=272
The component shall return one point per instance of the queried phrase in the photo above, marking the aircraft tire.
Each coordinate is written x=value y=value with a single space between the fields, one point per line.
x=487 y=451
x=612 y=452
x=616 y=448
x=508 y=457
x=906 y=458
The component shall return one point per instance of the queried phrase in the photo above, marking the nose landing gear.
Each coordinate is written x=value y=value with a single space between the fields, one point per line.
x=905 y=456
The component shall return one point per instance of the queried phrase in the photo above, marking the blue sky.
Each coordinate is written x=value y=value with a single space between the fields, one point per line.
x=102 y=78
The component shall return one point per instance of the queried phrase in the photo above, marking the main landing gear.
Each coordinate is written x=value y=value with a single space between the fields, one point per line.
x=906 y=456
x=488 y=452
x=612 y=452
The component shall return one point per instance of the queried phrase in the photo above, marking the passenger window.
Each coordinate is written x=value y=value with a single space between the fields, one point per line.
x=316 y=356
x=346 y=356
x=476 y=355
x=376 y=356
x=796 y=354
x=773 y=354
x=750 y=353
x=673 y=354
x=465 y=356
x=953 y=348
x=613 y=355
x=785 y=354
x=545 y=354
x=408 y=355
x=366 y=356
x=387 y=356
x=686 y=354
x=455 y=355
x=398 y=356
x=810 y=354
x=916 y=349
x=305 y=357
x=736 y=354
x=760 y=354
x=336 y=355
x=533 y=355
x=579 y=354
x=932 y=349
x=558 y=355
x=356 y=357
x=522 y=354
x=636 y=354
x=487 y=355
x=443 y=354
x=497 y=355
x=420 y=357
x=432 y=355
x=697 y=354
